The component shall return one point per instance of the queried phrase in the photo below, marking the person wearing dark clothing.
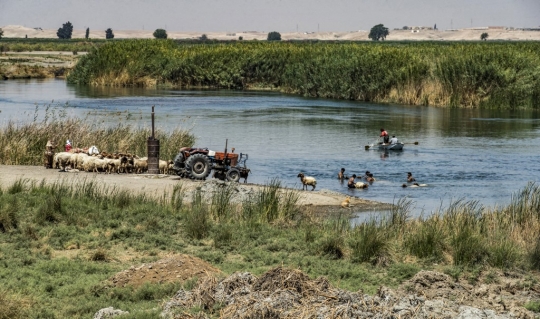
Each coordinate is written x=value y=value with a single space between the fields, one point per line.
x=384 y=135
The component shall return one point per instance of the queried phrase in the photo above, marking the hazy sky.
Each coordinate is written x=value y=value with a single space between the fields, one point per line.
x=268 y=15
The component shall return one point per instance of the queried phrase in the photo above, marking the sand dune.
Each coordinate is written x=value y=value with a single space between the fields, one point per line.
x=17 y=31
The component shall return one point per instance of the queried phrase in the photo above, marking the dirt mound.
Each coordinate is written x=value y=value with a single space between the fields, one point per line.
x=177 y=268
x=285 y=293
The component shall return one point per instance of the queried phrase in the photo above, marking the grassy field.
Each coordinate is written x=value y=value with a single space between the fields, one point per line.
x=40 y=224
x=455 y=74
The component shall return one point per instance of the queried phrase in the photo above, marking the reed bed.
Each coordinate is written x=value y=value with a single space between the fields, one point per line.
x=24 y=143
x=488 y=75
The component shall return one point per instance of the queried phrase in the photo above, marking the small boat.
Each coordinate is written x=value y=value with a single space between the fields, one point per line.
x=390 y=147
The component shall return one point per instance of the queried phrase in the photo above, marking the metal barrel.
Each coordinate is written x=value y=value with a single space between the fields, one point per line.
x=153 y=155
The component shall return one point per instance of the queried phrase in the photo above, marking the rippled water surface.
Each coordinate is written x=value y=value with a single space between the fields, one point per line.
x=481 y=155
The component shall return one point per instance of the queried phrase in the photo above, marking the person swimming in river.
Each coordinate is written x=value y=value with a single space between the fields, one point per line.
x=410 y=178
x=341 y=175
x=351 y=183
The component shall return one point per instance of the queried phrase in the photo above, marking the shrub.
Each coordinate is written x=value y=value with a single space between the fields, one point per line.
x=109 y=34
x=274 y=36
x=197 y=223
x=426 y=240
x=160 y=34
x=65 y=31
x=369 y=243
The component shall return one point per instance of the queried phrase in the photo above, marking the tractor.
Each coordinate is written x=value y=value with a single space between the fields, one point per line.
x=198 y=163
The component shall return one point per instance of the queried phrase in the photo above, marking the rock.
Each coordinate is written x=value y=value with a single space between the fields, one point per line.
x=109 y=313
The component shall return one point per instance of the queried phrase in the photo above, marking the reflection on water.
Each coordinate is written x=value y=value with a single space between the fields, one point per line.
x=483 y=155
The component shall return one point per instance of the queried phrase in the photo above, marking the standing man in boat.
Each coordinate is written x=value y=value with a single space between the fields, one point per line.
x=384 y=135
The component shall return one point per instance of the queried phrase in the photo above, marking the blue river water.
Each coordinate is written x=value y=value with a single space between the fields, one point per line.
x=462 y=154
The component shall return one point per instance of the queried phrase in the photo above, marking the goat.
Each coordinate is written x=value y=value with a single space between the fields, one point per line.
x=307 y=180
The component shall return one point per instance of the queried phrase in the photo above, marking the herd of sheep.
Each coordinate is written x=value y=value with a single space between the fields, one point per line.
x=107 y=163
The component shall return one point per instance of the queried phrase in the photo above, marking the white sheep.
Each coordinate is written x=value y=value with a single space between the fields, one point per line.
x=307 y=180
x=361 y=185
x=140 y=165
x=164 y=166
x=61 y=160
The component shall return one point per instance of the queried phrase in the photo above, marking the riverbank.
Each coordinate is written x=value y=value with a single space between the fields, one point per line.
x=319 y=202
x=37 y=64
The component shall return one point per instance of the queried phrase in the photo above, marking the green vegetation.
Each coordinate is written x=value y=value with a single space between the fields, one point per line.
x=61 y=243
x=109 y=34
x=87 y=34
x=1 y=33
x=160 y=34
x=487 y=75
x=24 y=144
x=34 y=44
x=65 y=31
x=273 y=36
x=378 y=32
x=484 y=36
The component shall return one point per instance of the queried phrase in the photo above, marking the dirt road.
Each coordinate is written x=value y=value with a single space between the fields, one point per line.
x=320 y=201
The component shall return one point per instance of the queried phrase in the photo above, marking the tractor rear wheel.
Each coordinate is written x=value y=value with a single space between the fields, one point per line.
x=198 y=166
x=233 y=175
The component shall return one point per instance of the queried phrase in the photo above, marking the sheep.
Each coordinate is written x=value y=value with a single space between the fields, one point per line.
x=61 y=160
x=164 y=166
x=140 y=165
x=94 y=164
x=117 y=165
x=360 y=185
x=307 y=180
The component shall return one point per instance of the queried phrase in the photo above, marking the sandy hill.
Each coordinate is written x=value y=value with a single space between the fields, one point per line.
x=17 y=31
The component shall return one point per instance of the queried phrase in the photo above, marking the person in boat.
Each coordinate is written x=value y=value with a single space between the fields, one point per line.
x=341 y=174
x=351 y=183
x=384 y=135
x=410 y=178
x=370 y=178
x=394 y=140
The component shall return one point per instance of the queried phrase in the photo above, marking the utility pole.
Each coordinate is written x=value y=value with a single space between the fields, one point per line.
x=318 y=30
x=452 y=24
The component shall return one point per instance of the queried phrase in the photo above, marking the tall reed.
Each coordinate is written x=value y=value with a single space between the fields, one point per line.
x=457 y=74
x=24 y=143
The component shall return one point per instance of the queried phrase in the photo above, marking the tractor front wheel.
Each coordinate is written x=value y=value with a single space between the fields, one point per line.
x=198 y=166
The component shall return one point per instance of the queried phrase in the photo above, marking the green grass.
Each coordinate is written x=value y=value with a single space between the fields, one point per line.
x=456 y=74
x=42 y=224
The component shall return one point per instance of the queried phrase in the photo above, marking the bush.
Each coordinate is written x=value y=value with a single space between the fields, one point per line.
x=369 y=243
x=109 y=34
x=160 y=34
x=65 y=31
x=274 y=36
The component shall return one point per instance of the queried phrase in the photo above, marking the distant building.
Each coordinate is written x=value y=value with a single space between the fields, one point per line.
x=495 y=28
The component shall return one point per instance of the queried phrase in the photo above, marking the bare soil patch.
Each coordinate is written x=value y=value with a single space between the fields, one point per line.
x=176 y=268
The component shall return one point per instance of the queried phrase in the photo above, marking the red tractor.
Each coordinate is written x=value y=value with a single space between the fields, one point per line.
x=198 y=163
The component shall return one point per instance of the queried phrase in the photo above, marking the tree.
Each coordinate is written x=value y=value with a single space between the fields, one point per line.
x=203 y=37
x=378 y=32
x=274 y=36
x=1 y=33
x=160 y=34
x=239 y=38
x=65 y=31
x=87 y=33
x=484 y=36
x=109 y=34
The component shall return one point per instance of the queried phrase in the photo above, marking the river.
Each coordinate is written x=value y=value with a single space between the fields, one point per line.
x=462 y=154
